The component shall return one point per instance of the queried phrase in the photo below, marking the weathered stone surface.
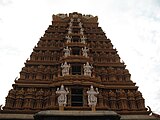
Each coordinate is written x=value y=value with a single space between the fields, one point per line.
x=8 y=116
x=78 y=115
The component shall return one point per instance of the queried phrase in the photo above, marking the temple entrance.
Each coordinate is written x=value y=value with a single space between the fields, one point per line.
x=76 y=97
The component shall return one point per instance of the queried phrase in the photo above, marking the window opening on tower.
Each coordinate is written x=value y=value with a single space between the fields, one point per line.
x=76 y=70
x=77 y=96
x=75 y=51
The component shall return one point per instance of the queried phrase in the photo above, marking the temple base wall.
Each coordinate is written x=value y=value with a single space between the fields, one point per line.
x=74 y=115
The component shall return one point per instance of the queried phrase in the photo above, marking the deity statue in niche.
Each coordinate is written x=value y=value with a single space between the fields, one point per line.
x=84 y=52
x=69 y=30
x=62 y=98
x=92 y=99
x=65 y=68
x=68 y=39
x=67 y=51
x=87 y=69
x=83 y=40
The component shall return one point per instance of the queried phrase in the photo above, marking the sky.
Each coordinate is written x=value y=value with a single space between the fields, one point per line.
x=132 y=25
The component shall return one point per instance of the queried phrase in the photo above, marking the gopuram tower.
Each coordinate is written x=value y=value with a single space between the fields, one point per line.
x=74 y=67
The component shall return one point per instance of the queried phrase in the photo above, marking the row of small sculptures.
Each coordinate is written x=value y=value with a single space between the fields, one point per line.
x=39 y=98
x=106 y=57
x=47 y=55
x=86 y=18
x=97 y=57
x=40 y=68
x=92 y=44
x=111 y=70
x=111 y=74
x=101 y=45
x=50 y=43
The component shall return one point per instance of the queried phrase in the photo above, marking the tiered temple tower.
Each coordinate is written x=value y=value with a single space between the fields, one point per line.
x=76 y=53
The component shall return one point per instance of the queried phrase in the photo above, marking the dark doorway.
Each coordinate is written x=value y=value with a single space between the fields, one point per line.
x=76 y=97
x=75 y=51
x=76 y=70
x=75 y=39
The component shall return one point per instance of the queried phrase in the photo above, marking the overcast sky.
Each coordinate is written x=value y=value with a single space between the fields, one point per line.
x=132 y=25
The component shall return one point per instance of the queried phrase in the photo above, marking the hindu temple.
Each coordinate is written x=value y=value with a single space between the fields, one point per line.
x=75 y=73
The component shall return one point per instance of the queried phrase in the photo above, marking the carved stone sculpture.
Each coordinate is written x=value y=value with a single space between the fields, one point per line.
x=83 y=39
x=62 y=98
x=62 y=15
x=70 y=24
x=112 y=97
x=81 y=31
x=84 y=51
x=92 y=99
x=65 y=69
x=68 y=39
x=78 y=19
x=123 y=103
x=67 y=51
x=87 y=69
x=131 y=100
x=69 y=30
x=80 y=25
x=72 y=19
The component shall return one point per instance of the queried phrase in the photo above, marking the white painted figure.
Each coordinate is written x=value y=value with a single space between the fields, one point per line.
x=84 y=51
x=62 y=98
x=87 y=69
x=62 y=15
x=80 y=24
x=81 y=31
x=92 y=99
x=72 y=19
x=83 y=39
x=67 y=51
x=69 y=30
x=75 y=16
x=78 y=19
x=65 y=68
x=68 y=39
x=70 y=24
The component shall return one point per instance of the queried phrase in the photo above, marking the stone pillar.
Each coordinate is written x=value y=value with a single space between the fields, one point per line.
x=100 y=99
x=105 y=101
x=29 y=99
x=47 y=95
x=52 y=98
x=85 y=97
x=111 y=73
x=112 y=99
x=19 y=99
x=39 y=100
x=131 y=100
x=123 y=105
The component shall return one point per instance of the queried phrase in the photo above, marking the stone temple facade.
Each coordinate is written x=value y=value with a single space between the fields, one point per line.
x=75 y=56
